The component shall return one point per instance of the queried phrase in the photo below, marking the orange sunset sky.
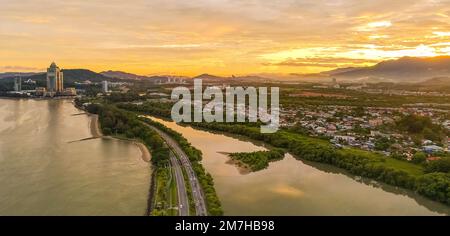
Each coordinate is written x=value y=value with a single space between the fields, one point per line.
x=220 y=37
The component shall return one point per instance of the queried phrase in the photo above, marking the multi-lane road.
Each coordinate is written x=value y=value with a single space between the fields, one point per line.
x=183 y=202
x=197 y=192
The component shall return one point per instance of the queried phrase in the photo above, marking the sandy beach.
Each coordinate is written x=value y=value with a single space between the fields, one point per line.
x=94 y=126
x=97 y=133
x=146 y=156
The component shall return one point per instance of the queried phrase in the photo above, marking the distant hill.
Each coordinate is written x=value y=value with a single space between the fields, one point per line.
x=123 y=75
x=79 y=75
x=437 y=84
x=208 y=77
x=438 y=81
x=405 y=69
x=16 y=74
x=339 y=71
x=253 y=78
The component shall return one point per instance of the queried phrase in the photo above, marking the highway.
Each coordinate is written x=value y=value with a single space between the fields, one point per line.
x=183 y=202
x=197 y=192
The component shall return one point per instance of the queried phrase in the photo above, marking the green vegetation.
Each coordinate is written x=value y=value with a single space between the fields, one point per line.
x=195 y=156
x=382 y=144
x=122 y=97
x=419 y=158
x=192 y=210
x=173 y=195
x=441 y=165
x=165 y=197
x=422 y=127
x=435 y=186
x=153 y=107
x=358 y=111
x=258 y=160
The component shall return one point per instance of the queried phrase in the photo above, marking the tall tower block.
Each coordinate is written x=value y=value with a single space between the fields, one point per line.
x=55 y=80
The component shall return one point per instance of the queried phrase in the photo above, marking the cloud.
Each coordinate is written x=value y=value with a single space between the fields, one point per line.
x=287 y=191
x=384 y=53
x=221 y=36
x=379 y=24
x=35 y=19
x=442 y=34
x=301 y=64
x=373 y=26
x=155 y=46
x=378 y=36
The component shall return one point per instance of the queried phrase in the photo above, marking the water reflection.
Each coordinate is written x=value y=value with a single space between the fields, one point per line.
x=42 y=174
x=294 y=187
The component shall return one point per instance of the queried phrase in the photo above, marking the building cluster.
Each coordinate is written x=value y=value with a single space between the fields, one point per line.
x=364 y=129
x=17 y=88
x=54 y=85
x=171 y=80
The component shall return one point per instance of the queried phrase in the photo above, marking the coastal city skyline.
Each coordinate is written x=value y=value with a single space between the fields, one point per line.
x=219 y=37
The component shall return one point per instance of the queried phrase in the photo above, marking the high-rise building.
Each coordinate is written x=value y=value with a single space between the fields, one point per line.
x=105 y=86
x=18 y=84
x=55 y=80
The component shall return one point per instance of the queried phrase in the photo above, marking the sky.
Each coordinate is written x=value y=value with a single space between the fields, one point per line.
x=222 y=37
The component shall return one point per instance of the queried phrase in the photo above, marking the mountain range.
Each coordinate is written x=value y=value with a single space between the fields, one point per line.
x=405 y=70
x=16 y=74
x=123 y=75
x=402 y=70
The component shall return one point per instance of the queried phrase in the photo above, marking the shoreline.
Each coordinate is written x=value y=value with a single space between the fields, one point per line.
x=151 y=193
x=146 y=155
x=242 y=168
x=39 y=98
x=94 y=126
